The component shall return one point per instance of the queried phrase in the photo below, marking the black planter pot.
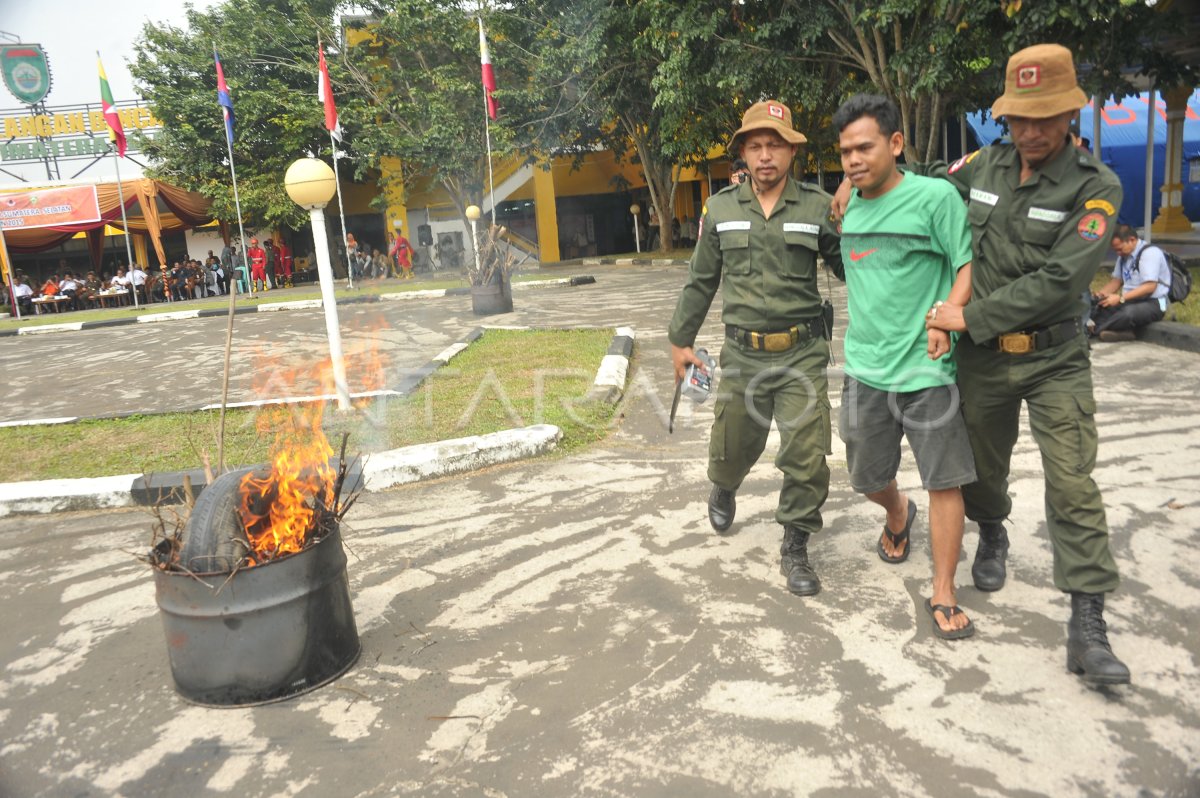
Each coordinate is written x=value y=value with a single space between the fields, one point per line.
x=496 y=297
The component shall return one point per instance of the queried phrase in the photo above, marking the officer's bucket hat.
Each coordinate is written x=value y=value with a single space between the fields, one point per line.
x=768 y=115
x=1040 y=83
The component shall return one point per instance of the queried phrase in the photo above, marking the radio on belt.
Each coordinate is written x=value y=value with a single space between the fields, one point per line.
x=697 y=383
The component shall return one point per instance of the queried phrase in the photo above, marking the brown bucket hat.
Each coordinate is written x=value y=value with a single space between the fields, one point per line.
x=1040 y=83
x=768 y=115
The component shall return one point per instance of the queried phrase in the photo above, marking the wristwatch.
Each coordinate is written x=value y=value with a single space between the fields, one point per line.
x=1122 y=299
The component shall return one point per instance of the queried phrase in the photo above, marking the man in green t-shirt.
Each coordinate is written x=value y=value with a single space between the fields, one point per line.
x=906 y=244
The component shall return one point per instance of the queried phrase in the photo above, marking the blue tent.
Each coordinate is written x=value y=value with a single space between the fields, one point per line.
x=1123 y=149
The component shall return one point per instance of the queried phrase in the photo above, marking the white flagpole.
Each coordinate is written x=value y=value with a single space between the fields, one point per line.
x=233 y=289
x=125 y=221
x=342 y=214
x=121 y=197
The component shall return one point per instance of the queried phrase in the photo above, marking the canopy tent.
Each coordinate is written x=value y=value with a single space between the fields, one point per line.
x=151 y=207
x=1123 y=149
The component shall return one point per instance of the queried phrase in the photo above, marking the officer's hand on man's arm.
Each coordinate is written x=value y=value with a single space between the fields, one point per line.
x=841 y=200
x=681 y=356
x=946 y=316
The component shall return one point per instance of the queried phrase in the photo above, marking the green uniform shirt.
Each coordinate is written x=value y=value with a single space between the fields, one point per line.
x=769 y=266
x=1038 y=245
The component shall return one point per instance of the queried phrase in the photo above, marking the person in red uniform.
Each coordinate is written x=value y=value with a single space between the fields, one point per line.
x=283 y=258
x=401 y=253
x=258 y=266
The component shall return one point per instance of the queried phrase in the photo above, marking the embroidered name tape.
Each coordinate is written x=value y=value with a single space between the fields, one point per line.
x=801 y=227
x=986 y=197
x=725 y=226
x=1047 y=215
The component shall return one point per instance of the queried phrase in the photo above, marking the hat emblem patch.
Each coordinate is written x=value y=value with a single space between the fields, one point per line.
x=1029 y=76
x=775 y=111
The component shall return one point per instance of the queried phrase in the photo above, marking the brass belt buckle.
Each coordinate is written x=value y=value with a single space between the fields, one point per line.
x=1016 y=343
x=777 y=342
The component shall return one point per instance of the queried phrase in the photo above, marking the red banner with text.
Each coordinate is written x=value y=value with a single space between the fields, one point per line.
x=49 y=207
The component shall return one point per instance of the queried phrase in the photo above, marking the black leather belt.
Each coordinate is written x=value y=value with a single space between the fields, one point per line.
x=1022 y=343
x=780 y=341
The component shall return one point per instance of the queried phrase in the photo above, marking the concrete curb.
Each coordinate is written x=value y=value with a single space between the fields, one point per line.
x=379 y=470
x=274 y=307
x=1172 y=334
x=609 y=385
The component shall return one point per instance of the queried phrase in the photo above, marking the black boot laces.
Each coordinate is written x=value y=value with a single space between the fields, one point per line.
x=1094 y=629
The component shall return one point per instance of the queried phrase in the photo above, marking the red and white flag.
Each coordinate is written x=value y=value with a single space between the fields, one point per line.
x=325 y=95
x=489 y=77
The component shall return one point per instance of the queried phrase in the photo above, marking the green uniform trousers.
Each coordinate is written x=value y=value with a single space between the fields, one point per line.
x=790 y=387
x=1056 y=385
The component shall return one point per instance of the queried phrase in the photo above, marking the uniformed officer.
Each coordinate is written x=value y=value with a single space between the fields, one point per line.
x=1040 y=213
x=759 y=242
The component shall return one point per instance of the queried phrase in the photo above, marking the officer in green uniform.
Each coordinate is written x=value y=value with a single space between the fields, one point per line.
x=759 y=242
x=1041 y=214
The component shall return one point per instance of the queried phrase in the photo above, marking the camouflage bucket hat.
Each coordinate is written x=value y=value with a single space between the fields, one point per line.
x=768 y=115
x=1040 y=83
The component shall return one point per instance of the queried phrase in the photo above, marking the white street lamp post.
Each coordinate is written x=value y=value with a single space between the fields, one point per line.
x=473 y=217
x=635 y=209
x=311 y=184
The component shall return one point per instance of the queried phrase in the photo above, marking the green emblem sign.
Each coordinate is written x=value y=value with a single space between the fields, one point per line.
x=26 y=72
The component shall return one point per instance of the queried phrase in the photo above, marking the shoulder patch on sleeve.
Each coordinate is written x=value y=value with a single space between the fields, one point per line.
x=963 y=161
x=1100 y=205
x=1092 y=226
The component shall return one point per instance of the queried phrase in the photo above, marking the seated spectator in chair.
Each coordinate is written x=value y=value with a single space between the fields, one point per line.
x=88 y=290
x=50 y=287
x=1137 y=293
x=69 y=287
x=24 y=294
x=177 y=281
x=120 y=279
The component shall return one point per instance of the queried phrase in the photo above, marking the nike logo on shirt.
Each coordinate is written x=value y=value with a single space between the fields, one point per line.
x=857 y=256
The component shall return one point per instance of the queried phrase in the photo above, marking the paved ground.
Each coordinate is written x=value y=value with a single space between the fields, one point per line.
x=570 y=626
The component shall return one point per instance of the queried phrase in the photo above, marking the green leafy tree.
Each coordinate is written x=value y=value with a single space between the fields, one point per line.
x=640 y=79
x=268 y=51
x=417 y=94
x=1111 y=40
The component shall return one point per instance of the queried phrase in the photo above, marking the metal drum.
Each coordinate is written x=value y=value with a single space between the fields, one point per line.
x=261 y=634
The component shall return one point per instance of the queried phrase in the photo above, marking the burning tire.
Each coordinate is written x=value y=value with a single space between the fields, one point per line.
x=214 y=540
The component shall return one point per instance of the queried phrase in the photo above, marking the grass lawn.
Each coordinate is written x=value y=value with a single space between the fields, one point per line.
x=507 y=378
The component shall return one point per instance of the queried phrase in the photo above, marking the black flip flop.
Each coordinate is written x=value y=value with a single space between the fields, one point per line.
x=897 y=538
x=948 y=612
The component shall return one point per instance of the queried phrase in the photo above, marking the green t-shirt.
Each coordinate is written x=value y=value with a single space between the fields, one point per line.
x=901 y=252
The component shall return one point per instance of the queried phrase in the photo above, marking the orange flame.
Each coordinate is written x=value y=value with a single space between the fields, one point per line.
x=281 y=508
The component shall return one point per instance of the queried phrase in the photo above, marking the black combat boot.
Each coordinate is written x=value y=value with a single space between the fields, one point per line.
x=801 y=578
x=1088 y=651
x=988 y=571
x=722 y=504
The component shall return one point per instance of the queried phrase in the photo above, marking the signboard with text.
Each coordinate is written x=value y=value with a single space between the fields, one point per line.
x=68 y=131
x=49 y=207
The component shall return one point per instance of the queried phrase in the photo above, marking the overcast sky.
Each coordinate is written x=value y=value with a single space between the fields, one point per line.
x=71 y=32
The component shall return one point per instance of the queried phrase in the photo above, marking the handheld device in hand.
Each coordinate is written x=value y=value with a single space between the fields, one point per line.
x=697 y=382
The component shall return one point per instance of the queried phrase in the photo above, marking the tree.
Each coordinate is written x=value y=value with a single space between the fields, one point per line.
x=1110 y=39
x=268 y=51
x=642 y=80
